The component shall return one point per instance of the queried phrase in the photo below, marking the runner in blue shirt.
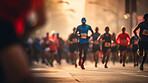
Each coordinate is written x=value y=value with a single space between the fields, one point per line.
x=83 y=40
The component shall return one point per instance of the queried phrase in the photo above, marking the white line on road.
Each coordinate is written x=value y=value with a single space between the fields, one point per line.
x=134 y=74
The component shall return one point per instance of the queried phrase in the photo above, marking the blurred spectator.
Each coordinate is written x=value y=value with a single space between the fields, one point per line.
x=14 y=67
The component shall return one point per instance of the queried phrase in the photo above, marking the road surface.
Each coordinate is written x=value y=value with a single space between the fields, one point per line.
x=67 y=73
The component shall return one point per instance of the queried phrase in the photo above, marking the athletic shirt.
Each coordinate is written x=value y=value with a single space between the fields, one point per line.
x=83 y=31
x=122 y=39
x=143 y=31
x=53 y=46
x=94 y=38
x=73 y=38
x=107 y=39
x=134 y=40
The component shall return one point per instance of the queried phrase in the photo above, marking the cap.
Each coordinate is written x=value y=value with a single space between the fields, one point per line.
x=83 y=20
x=123 y=27
x=96 y=28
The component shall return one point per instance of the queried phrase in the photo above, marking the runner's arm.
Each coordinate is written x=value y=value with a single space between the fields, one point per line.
x=117 y=40
x=128 y=38
x=100 y=38
x=91 y=30
x=137 y=27
x=69 y=39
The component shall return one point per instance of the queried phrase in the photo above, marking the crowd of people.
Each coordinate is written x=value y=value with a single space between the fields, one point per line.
x=122 y=47
x=16 y=26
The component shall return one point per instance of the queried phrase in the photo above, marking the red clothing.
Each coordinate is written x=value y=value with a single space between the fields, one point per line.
x=123 y=39
x=15 y=11
x=53 y=43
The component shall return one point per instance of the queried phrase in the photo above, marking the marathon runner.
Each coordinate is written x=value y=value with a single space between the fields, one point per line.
x=60 y=48
x=114 y=48
x=123 y=39
x=73 y=46
x=143 y=38
x=96 y=45
x=53 y=48
x=134 y=42
x=83 y=40
x=106 y=46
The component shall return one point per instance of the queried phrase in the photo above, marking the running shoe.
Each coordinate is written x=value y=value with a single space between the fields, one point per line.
x=75 y=65
x=141 y=67
x=95 y=65
x=135 y=65
x=105 y=66
x=82 y=67
x=80 y=62
x=120 y=60
x=102 y=61
x=123 y=64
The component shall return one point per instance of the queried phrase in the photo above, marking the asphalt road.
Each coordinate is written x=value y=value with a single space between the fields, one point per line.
x=67 y=73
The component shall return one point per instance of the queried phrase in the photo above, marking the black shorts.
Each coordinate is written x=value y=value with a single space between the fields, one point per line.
x=129 y=49
x=134 y=48
x=86 y=45
x=95 y=49
x=122 y=48
x=73 y=48
x=104 y=49
x=114 y=49
x=7 y=34
x=140 y=46
x=144 y=45
x=52 y=51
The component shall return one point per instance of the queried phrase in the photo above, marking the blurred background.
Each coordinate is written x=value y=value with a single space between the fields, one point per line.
x=63 y=15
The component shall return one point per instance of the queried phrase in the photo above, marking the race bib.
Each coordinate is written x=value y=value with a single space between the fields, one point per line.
x=136 y=42
x=145 y=32
x=107 y=44
x=75 y=40
x=113 y=45
x=96 y=42
x=123 y=41
x=83 y=35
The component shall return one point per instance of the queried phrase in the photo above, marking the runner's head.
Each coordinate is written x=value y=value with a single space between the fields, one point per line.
x=145 y=17
x=96 y=29
x=53 y=34
x=57 y=34
x=107 y=29
x=113 y=35
x=47 y=34
x=123 y=29
x=83 y=20
x=74 y=29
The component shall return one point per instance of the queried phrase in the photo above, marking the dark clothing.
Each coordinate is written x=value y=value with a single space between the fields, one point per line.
x=122 y=48
x=74 y=46
x=107 y=44
x=83 y=45
x=95 y=49
x=7 y=34
x=144 y=31
x=7 y=37
x=134 y=41
x=94 y=38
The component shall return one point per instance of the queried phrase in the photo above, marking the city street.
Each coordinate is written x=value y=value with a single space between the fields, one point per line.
x=67 y=73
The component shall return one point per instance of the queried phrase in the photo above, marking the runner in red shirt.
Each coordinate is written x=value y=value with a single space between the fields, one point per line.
x=53 y=48
x=123 y=39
